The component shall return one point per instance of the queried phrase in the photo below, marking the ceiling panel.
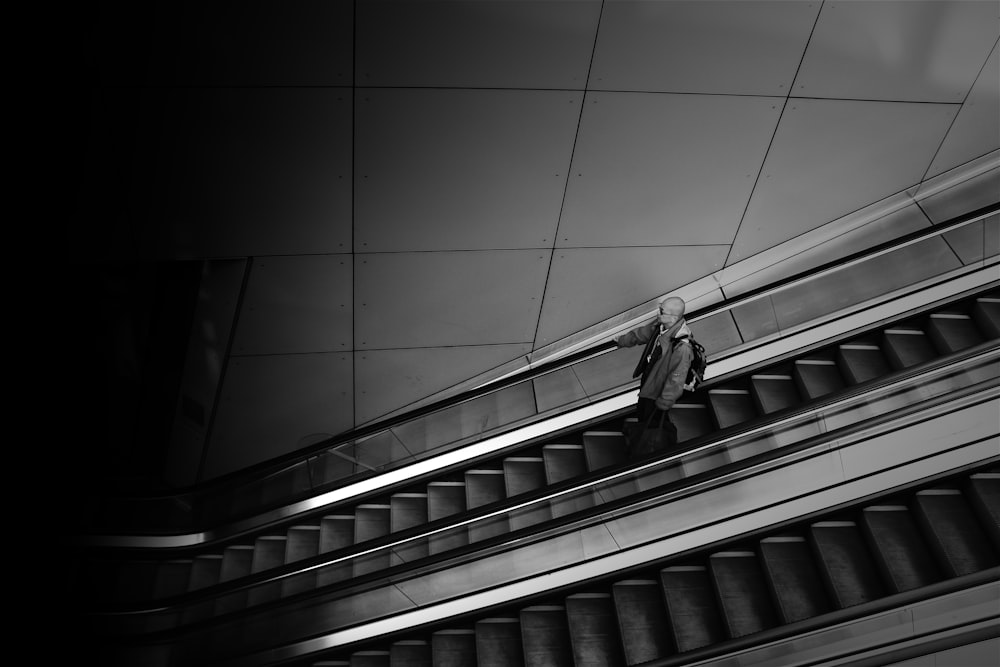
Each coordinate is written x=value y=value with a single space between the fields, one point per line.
x=389 y=379
x=976 y=130
x=482 y=44
x=271 y=404
x=653 y=169
x=812 y=173
x=745 y=48
x=900 y=51
x=461 y=169
x=245 y=43
x=297 y=304
x=588 y=285
x=246 y=171
x=435 y=299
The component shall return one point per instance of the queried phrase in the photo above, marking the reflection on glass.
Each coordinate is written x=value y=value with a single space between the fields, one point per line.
x=468 y=421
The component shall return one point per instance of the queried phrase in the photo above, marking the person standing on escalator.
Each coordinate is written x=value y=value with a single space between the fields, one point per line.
x=663 y=367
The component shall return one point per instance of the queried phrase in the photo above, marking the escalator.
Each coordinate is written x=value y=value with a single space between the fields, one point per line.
x=412 y=527
x=842 y=569
x=721 y=409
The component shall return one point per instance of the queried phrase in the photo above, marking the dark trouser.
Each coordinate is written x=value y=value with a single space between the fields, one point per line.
x=647 y=411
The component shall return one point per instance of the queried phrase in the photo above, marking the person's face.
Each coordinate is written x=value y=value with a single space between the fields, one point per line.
x=669 y=313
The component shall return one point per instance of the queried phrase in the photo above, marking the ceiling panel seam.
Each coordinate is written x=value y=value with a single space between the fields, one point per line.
x=954 y=118
x=569 y=169
x=777 y=126
x=354 y=168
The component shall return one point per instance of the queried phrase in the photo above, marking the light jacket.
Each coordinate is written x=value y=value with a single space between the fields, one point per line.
x=665 y=380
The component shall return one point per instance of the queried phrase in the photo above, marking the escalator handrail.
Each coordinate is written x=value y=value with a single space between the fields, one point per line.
x=276 y=464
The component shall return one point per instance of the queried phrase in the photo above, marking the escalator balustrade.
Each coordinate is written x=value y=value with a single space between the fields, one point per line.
x=858 y=555
x=117 y=581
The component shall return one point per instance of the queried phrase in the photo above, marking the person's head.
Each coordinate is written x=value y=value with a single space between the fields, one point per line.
x=671 y=310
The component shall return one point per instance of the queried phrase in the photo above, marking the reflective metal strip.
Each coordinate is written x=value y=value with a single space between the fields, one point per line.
x=484 y=472
x=905 y=332
x=858 y=346
x=374 y=507
x=564 y=446
x=409 y=495
x=949 y=316
x=817 y=362
x=834 y=524
x=602 y=434
x=733 y=554
x=986 y=475
x=684 y=568
x=446 y=484
x=886 y=508
x=728 y=391
x=939 y=492
x=783 y=539
x=525 y=459
x=771 y=377
x=687 y=406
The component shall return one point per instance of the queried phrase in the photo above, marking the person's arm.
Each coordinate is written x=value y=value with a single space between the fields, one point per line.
x=639 y=335
x=674 y=386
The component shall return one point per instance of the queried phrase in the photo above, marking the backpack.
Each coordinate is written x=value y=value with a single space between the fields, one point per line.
x=696 y=373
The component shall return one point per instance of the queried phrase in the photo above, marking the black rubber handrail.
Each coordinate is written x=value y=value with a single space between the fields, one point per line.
x=276 y=464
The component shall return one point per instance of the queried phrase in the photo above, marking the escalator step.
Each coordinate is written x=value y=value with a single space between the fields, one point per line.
x=794 y=580
x=845 y=563
x=744 y=600
x=773 y=392
x=443 y=500
x=371 y=521
x=498 y=642
x=303 y=542
x=592 y=630
x=951 y=332
x=986 y=313
x=731 y=406
x=410 y=653
x=984 y=496
x=408 y=510
x=861 y=361
x=898 y=548
x=693 y=612
x=268 y=553
x=641 y=620
x=172 y=577
x=237 y=561
x=545 y=637
x=906 y=346
x=483 y=487
x=817 y=377
x=603 y=449
x=954 y=533
x=692 y=420
x=336 y=531
x=563 y=462
x=453 y=648
x=523 y=474
x=370 y=659
x=206 y=570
